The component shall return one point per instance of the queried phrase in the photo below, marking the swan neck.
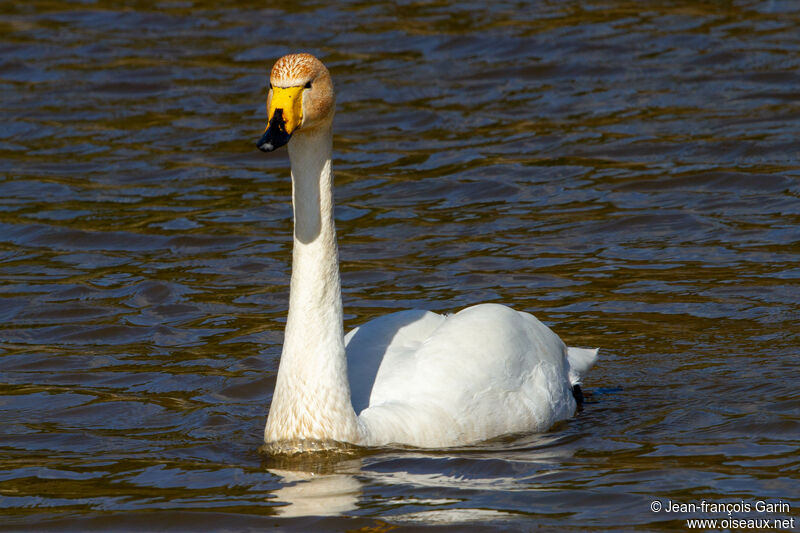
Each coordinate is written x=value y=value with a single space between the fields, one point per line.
x=312 y=187
x=312 y=393
x=315 y=291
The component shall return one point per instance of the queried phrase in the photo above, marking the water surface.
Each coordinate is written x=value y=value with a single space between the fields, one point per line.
x=627 y=171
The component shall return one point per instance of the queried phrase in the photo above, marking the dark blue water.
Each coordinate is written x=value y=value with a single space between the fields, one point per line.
x=627 y=171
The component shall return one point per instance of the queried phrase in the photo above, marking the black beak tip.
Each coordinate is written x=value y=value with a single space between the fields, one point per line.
x=267 y=141
x=276 y=135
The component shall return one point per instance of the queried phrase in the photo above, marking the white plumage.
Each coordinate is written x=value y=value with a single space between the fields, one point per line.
x=412 y=378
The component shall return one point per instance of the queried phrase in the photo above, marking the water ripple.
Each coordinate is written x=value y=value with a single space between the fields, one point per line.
x=628 y=172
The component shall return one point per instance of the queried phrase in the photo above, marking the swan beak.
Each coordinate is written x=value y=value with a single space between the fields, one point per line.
x=285 y=114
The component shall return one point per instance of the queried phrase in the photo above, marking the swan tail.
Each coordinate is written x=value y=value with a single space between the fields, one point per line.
x=580 y=361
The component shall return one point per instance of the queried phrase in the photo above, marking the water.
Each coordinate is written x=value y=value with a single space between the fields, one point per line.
x=627 y=171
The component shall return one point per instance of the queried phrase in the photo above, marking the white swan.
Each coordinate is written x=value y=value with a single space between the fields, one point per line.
x=412 y=378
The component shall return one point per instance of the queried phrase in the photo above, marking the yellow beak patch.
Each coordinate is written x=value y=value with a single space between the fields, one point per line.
x=290 y=100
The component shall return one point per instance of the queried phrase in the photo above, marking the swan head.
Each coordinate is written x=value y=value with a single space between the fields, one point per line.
x=300 y=99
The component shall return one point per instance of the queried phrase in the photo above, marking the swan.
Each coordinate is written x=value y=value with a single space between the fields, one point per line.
x=411 y=378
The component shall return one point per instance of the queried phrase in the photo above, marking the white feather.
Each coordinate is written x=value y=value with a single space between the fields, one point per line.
x=580 y=361
x=445 y=381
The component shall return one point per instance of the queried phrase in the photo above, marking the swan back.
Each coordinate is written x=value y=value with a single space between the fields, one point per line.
x=485 y=371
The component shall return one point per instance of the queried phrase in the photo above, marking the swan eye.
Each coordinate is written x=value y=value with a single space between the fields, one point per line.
x=270 y=85
x=308 y=85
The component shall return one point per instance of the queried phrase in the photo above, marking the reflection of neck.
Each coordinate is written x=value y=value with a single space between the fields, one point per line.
x=312 y=394
x=315 y=494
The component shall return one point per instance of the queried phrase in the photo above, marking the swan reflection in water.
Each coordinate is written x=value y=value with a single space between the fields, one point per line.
x=312 y=494
x=330 y=483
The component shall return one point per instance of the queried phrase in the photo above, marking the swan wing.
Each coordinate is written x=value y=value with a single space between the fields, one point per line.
x=485 y=371
x=379 y=343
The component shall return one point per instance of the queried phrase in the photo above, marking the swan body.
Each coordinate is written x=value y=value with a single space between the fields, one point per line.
x=415 y=377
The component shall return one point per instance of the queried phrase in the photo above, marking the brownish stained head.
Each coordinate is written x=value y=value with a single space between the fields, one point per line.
x=295 y=69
